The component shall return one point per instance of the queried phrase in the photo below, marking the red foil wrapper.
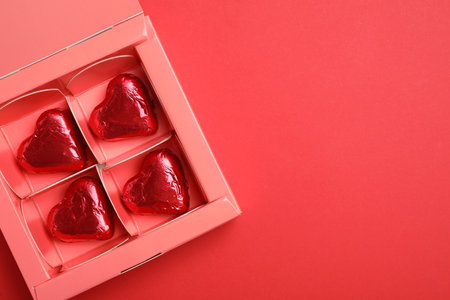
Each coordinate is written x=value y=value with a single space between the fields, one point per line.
x=125 y=112
x=55 y=145
x=83 y=214
x=159 y=187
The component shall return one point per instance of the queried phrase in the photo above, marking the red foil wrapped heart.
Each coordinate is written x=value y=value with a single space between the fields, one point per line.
x=159 y=187
x=55 y=145
x=83 y=214
x=125 y=112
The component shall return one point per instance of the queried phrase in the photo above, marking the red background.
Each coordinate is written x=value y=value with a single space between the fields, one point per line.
x=331 y=122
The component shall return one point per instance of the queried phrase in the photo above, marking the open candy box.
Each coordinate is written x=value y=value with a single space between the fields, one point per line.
x=72 y=74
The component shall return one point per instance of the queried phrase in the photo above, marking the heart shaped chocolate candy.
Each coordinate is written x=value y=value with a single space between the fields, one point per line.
x=159 y=187
x=55 y=145
x=125 y=112
x=83 y=214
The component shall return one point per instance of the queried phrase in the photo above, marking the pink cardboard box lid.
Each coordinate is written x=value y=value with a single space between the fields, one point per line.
x=24 y=26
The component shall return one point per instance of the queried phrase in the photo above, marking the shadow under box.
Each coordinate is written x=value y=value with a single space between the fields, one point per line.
x=87 y=87
x=115 y=177
x=59 y=255
x=17 y=122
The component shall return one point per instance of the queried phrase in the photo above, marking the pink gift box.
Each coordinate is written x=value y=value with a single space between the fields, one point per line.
x=67 y=62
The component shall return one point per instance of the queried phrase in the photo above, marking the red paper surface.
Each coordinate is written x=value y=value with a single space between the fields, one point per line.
x=331 y=123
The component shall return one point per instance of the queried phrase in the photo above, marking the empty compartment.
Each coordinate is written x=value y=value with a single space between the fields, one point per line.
x=59 y=255
x=18 y=120
x=88 y=86
x=116 y=176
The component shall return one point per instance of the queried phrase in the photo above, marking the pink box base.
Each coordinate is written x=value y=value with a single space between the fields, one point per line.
x=54 y=269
